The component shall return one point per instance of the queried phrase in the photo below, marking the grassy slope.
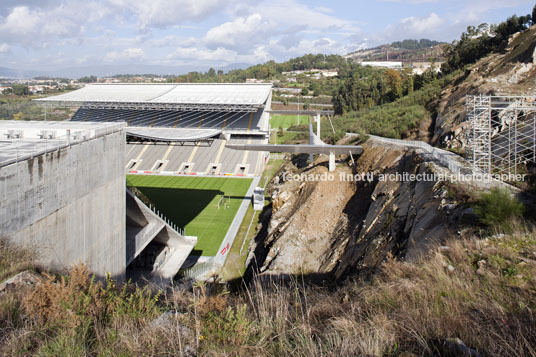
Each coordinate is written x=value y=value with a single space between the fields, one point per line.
x=478 y=290
x=286 y=121
x=192 y=202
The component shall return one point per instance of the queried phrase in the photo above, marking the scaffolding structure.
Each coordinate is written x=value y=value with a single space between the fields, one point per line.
x=502 y=136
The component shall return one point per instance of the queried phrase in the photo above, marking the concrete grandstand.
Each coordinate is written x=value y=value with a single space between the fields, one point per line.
x=181 y=130
x=193 y=121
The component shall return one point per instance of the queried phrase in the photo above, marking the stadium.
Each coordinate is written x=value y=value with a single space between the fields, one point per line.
x=176 y=153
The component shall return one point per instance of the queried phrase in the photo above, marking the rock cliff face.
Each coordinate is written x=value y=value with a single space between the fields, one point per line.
x=510 y=73
x=343 y=226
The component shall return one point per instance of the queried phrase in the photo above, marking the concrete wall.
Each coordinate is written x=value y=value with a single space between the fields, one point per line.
x=69 y=205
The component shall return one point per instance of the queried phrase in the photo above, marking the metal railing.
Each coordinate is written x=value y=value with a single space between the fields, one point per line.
x=440 y=155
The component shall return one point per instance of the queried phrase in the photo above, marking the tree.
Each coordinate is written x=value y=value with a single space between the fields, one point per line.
x=394 y=82
x=21 y=89
x=533 y=18
x=304 y=91
x=90 y=79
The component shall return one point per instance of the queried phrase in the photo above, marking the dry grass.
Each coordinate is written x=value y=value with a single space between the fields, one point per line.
x=13 y=259
x=478 y=290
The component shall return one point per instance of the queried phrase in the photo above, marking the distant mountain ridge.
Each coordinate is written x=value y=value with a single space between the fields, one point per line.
x=109 y=70
x=402 y=51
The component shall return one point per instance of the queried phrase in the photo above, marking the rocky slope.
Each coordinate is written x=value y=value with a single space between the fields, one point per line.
x=390 y=53
x=340 y=226
x=510 y=73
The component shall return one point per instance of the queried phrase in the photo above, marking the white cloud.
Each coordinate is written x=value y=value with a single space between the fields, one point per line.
x=125 y=55
x=285 y=22
x=421 y=25
x=217 y=32
x=34 y=26
x=291 y=13
x=163 y=13
x=431 y=26
x=241 y=34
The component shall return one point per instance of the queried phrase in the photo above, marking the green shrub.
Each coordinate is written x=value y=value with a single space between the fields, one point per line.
x=497 y=208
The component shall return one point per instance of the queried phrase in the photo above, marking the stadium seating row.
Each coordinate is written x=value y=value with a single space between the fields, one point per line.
x=173 y=119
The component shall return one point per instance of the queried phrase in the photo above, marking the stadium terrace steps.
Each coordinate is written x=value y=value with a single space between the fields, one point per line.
x=205 y=155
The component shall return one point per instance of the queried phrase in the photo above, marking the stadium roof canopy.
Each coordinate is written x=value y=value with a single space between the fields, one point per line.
x=190 y=96
x=171 y=135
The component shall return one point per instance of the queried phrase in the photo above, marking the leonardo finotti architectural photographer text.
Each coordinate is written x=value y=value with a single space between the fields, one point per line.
x=401 y=177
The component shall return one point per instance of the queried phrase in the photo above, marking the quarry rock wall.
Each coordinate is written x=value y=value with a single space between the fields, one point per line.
x=339 y=227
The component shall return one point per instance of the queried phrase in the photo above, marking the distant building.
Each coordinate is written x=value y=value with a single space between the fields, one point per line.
x=421 y=67
x=330 y=73
x=290 y=90
x=382 y=64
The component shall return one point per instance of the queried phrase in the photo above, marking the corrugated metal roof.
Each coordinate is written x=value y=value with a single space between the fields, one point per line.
x=205 y=93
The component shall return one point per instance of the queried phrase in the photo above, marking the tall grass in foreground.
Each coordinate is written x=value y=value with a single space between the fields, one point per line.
x=478 y=290
x=13 y=259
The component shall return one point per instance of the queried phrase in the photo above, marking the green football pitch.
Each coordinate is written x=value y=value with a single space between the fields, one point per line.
x=286 y=121
x=192 y=203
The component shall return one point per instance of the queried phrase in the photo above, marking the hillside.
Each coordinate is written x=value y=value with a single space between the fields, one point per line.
x=404 y=51
x=509 y=72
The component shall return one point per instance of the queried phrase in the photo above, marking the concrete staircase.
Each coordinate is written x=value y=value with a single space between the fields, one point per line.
x=153 y=241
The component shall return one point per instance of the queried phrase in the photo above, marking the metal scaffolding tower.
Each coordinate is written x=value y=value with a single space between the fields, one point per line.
x=503 y=133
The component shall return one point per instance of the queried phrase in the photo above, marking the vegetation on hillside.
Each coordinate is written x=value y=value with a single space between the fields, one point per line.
x=498 y=209
x=13 y=107
x=478 y=42
x=479 y=290
x=415 y=44
x=395 y=119
x=268 y=70
x=393 y=104
x=364 y=87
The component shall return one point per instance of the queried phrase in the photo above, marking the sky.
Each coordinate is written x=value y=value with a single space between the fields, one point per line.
x=48 y=34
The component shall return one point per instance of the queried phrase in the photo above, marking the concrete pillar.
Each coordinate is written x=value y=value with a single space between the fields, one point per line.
x=331 y=161
x=317 y=125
